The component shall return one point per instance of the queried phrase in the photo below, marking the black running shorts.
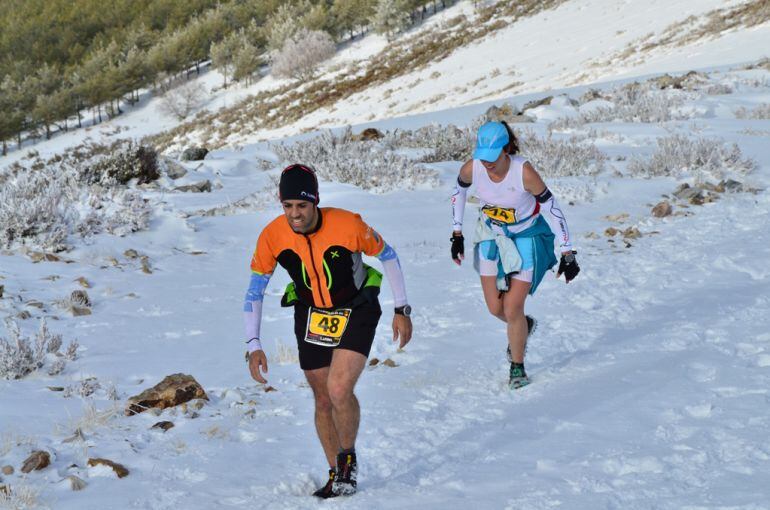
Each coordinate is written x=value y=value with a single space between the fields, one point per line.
x=358 y=335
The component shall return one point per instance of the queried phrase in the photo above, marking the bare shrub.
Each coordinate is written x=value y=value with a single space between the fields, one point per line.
x=256 y=201
x=76 y=194
x=554 y=157
x=20 y=356
x=761 y=112
x=443 y=143
x=634 y=102
x=719 y=89
x=704 y=158
x=183 y=100
x=21 y=497
x=36 y=206
x=128 y=161
x=302 y=54
x=366 y=164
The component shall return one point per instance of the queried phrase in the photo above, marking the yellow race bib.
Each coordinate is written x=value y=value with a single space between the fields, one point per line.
x=500 y=215
x=326 y=327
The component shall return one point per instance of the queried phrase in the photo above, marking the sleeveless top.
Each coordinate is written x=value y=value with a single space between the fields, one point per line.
x=506 y=202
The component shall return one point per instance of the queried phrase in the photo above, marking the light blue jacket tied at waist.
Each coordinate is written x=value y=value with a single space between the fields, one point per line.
x=509 y=261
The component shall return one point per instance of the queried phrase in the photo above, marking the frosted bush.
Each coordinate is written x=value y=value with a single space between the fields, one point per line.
x=20 y=355
x=366 y=164
x=78 y=194
x=635 y=102
x=126 y=162
x=554 y=157
x=302 y=54
x=703 y=158
x=761 y=112
x=443 y=143
x=36 y=206
x=181 y=101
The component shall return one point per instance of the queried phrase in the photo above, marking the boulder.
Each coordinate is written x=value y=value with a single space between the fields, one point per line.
x=119 y=469
x=611 y=232
x=519 y=119
x=686 y=192
x=631 y=233
x=164 y=425
x=370 y=134
x=2 y=289
x=174 y=170
x=37 y=256
x=196 y=187
x=538 y=102
x=36 y=461
x=194 y=154
x=7 y=470
x=730 y=186
x=171 y=391
x=662 y=209
x=498 y=113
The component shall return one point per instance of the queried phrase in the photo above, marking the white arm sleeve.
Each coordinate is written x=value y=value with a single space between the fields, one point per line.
x=252 y=310
x=392 y=269
x=459 y=197
x=553 y=214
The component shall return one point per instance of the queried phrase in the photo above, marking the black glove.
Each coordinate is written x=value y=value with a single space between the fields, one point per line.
x=568 y=266
x=458 y=246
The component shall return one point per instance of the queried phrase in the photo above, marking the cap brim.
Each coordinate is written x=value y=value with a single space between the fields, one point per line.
x=487 y=154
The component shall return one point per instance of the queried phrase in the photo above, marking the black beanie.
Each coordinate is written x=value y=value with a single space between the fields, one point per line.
x=298 y=182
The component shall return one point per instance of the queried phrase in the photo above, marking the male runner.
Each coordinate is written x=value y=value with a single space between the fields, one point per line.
x=336 y=310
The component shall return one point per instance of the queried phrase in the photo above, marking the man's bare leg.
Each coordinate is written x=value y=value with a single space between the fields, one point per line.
x=324 y=422
x=344 y=372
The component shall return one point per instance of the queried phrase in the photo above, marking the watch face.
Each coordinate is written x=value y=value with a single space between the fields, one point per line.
x=569 y=258
x=408 y=311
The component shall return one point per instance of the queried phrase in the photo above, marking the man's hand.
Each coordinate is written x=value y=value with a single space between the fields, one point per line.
x=257 y=362
x=402 y=329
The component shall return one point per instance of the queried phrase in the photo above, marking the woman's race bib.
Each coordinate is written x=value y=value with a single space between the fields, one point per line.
x=500 y=215
x=326 y=327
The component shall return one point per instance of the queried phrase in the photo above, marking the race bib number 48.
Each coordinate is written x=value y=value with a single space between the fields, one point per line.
x=500 y=215
x=326 y=327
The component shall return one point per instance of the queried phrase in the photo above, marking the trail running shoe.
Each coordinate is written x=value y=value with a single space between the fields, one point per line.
x=531 y=327
x=518 y=377
x=326 y=491
x=347 y=471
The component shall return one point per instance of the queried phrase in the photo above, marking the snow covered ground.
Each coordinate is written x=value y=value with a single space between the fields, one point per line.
x=651 y=371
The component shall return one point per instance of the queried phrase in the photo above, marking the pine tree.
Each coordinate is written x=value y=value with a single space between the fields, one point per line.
x=223 y=54
x=391 y=17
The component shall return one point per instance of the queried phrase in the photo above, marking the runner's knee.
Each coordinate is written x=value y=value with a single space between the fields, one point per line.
x=514 y=312
x=496 y=309
x=339 y=393
x=323 y=403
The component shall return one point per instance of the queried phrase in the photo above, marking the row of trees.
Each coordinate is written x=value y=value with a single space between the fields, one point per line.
x=58 y=64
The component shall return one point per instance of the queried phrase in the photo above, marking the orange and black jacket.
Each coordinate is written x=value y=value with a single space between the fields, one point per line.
x=325 y=265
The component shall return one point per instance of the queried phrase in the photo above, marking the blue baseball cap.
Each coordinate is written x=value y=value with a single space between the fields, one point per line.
x=490 y=140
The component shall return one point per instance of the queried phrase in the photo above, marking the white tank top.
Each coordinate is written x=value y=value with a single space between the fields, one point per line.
x=508 y=194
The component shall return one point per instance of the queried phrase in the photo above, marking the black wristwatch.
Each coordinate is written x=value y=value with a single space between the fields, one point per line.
x=405 y=310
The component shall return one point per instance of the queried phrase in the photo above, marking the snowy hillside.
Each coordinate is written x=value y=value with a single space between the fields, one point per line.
x=651 y=371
